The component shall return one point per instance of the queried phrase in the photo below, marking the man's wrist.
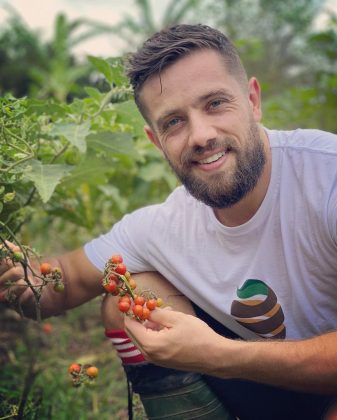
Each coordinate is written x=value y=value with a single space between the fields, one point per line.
x=228 y=358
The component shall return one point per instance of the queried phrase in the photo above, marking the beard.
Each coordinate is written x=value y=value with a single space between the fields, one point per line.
x=224 y=189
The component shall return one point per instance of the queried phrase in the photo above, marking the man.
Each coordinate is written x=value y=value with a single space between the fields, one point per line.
x=253 y=233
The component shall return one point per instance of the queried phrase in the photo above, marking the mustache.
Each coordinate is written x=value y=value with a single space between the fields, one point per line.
x=226 y=143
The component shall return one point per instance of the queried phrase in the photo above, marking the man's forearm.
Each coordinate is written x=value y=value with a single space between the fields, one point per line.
x=305 y=365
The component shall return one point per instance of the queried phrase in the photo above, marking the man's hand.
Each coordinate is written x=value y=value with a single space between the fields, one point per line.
x=81 y=279
x=184 y=342
x=174 y=339
x=12 y=275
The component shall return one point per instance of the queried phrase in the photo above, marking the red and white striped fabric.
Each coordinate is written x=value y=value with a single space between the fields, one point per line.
x=126 y=350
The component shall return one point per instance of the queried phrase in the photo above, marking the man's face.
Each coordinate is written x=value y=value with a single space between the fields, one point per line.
x=205 y=123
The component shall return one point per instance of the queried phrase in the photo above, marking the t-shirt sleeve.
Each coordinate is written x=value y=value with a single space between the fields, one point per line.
x=127 y=238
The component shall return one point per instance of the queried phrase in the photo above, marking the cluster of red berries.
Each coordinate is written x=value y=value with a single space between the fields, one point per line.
x=52 y=274
x=82 y=374
x=118 y=281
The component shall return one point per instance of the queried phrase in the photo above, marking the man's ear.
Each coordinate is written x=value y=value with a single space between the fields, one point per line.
x=255 y=98
x=151 y=135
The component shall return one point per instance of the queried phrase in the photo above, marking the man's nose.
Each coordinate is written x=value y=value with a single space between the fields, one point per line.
x=201 y=131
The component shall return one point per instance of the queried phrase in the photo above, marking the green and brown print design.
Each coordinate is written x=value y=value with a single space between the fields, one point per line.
x=256 y=308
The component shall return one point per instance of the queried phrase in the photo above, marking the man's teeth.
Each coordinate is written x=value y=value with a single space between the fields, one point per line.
x=212 y=158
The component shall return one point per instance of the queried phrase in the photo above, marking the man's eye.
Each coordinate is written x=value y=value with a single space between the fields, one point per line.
x=216 y=103
x=171 y=123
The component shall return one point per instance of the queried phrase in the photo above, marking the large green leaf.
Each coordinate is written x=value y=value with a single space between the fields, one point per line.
x=112 y=142
x=74 y=133
x=45 y=177
x=91 y=170
x=103 y=67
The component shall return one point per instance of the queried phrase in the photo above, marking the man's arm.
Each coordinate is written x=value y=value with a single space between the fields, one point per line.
x=187 y=343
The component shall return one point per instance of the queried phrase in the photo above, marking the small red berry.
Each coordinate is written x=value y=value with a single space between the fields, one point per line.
x=120 y=268
x=111 y=287
x=74 y=368
x=92 y=371
x=45 y=269
x=116 y=259
x=139 y=300
x=138 y=310
x=47 y=328
x=125 y=298
x=151 y=304
x=146 y=313
x=114 y=277
x=124 y=306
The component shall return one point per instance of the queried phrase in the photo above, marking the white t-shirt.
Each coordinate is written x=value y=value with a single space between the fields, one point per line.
x=277 y=273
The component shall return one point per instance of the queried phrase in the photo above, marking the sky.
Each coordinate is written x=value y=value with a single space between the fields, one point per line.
x=40 y=15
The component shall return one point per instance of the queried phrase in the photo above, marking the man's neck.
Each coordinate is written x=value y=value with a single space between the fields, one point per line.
x=246 y=208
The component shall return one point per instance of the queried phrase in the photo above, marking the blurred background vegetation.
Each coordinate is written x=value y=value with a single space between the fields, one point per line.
x=111 y=169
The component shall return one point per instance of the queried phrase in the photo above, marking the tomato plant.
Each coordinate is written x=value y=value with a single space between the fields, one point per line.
x=63 y=163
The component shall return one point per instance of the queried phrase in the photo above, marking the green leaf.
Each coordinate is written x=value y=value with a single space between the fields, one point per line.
x=112 y=142
x=74 y=133
x=93 y=93
x=46 y=107
x=127 y=113
x=103 y=67
x=92 y=170
x=45 y=177
x=118 y=72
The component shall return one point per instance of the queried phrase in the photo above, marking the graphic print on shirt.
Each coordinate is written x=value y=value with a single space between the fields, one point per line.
x=256 y=308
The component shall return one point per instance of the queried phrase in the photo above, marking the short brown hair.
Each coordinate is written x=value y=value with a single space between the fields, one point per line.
x=169 y=45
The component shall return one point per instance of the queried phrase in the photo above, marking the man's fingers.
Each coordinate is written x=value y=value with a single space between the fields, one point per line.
x=11 y=246
x=11 y=274
x=135 y=330
x=166 y=317
x=6 y=263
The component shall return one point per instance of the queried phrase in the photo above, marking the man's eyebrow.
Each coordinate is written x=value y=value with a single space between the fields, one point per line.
x=213 y=93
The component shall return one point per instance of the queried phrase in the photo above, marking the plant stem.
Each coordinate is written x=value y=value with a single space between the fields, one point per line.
x=8 y=417
x=18 y=138
x=64 y=148
x=10 y=167
x=30 y=376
